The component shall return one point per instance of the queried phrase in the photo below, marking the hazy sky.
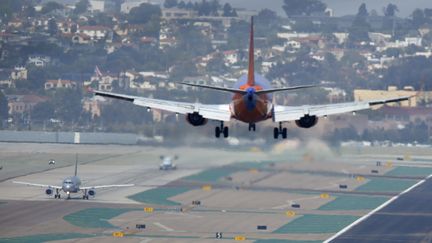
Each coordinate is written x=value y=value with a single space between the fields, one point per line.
x=340 y=7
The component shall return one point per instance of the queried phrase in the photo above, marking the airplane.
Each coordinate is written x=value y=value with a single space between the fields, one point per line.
x=167 y=163
x=71 y=184
x=251 y=103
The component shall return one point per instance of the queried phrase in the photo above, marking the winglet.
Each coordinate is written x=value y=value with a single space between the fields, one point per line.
x=251 y=69
x=76 y=164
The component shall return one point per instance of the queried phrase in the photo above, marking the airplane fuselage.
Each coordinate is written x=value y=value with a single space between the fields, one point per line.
x=71 y=184
x=251 y=107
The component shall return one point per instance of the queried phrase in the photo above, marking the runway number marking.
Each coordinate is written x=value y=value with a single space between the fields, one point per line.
x=148 y=210
x=324 y=196
x=118 y=234
x=206 y=188
x=254 y=171
x=240 y=238
x=290 y=214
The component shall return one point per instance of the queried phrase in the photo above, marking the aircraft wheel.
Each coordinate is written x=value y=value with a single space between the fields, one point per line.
x=275 y=133
x=225 y=132
x=217 y=132
x=284 y=133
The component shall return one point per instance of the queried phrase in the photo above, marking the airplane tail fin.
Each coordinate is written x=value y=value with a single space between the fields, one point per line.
x=76 y=164
x=251 y=68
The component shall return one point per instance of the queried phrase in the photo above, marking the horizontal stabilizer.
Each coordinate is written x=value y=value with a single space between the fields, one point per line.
x=266 y=91
x=239 y=91
x=232 y=90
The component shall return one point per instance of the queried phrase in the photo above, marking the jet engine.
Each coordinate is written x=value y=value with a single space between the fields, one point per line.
x=92 y=193
x=307 y=121
x=195 y=119
x=49 y=191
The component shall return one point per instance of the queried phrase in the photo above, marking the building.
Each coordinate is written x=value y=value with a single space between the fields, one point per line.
x=60 y=84
x=19 y=73
x=175 y=13
x=80 y=38
x=96 y=32
x=19 y=104
x=391 y=92
x=93 y=105
x=102 y=6
x=39 y=61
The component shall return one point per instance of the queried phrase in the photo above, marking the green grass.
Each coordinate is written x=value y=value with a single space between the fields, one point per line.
x=410 y=171
x=95 y=217
x=316 y=224
x=213 y=175
x=354 y=203
x=159 y=195
x=44 y=238
x=386 y=185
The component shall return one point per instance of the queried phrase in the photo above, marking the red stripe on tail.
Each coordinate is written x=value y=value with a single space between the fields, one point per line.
x=251 y=72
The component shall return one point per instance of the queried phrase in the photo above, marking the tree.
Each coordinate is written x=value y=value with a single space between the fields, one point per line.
x=170 y=4
x=81 y=6
x=266 y=15
x=51 y=6
x=359 y=30
x=52 y=26
x=390 y=10
x=418 y=18
x=228 y=11
x=9 y=7
x=182 y=5
x=303 y=7
x=217 y=65
x=3 y=107
x=43 y=111
x=144 y=13
x=389 y=13
x=362 y=11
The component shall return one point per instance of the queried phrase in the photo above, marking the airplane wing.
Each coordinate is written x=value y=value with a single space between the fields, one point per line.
x=36 y=185
x=104 y=186
x=293 y=113
x=212 y=112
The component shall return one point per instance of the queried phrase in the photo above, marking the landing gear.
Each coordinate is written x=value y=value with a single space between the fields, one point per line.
x=252 y=127
x=221 y=130
x=57 y=195
x=85 y=195
x=280 y=131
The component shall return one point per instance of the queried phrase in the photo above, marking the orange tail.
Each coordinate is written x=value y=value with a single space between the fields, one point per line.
x=251 y=72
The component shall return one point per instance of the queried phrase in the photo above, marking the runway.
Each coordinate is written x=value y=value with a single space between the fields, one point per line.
x=407 y=219
x=237 y=190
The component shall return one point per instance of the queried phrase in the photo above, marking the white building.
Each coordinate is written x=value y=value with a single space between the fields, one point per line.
x=39 y=61
x=102 y=5
x=95 y=32
x=128 y=5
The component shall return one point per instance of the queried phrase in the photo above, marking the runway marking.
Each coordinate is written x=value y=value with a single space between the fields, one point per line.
x=290 y=202
x=375 y=210
x=163 y=227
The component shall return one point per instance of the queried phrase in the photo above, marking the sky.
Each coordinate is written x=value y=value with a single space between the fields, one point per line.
x=340 y=7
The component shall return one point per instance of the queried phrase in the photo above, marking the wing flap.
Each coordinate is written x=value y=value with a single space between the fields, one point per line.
x=212 y=112
x=292 y=113
x=36 y=184
x=105 y=186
